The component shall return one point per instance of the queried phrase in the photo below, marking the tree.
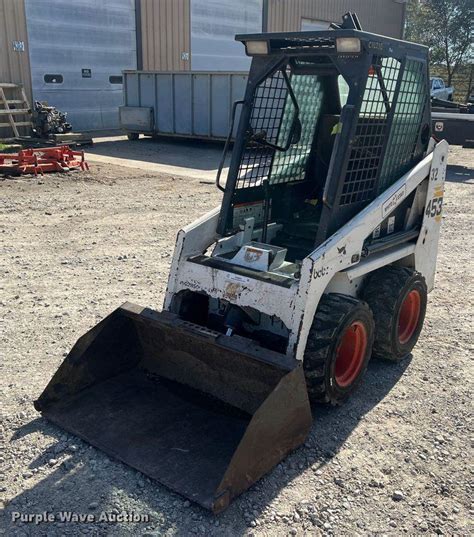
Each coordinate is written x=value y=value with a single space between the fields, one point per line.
x=470 y=85
x=446 y=26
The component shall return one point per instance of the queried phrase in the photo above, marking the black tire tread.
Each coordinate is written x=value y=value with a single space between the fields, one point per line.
x=332 y=310
x=381 y=292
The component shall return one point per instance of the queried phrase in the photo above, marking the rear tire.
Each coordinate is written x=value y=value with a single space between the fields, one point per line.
x=398 y=298
x=338 y=349
x=133 y=136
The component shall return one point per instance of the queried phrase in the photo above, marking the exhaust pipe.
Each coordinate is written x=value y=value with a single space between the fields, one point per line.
x=204 y=414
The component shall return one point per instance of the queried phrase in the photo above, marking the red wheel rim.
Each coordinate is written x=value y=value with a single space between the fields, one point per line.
x=350 y=354
x=409 y=316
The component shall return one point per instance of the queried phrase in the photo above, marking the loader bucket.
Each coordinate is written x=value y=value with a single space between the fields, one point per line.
x=205 y=414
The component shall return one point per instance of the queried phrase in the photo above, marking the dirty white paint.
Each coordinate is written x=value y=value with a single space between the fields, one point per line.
x=336 y=262
x=330 y=257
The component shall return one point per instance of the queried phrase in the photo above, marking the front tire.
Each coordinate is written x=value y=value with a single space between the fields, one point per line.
x=338 y=349
x=398 y=298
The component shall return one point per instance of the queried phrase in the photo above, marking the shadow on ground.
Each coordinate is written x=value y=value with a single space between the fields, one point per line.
x=460 y=174
x=194 y=154
x=89 y=475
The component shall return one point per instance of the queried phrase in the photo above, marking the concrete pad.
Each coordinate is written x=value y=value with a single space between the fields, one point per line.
x=186 y=158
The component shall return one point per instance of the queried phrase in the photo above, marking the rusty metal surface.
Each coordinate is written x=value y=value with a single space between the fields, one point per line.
x=204 y=414
x=278 y=427
x=157 y=430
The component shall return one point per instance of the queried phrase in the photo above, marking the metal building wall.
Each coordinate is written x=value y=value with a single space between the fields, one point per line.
x=14 y=65
x=165 y=25
x=214 y=23
x=82 y=44
x=165 y=34
x=378 y=16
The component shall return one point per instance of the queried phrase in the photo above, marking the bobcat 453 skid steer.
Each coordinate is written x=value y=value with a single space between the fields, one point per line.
x=320 y=256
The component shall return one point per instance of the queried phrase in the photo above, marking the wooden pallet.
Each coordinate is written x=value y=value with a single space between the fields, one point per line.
x=13 y=108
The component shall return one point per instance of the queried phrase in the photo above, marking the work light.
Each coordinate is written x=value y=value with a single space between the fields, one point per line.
x=256 y=47
x=348 y=44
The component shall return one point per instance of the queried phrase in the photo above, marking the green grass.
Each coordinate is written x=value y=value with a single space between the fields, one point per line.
x=9 y=148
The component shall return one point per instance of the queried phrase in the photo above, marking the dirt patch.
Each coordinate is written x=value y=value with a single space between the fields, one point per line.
x=394 y=460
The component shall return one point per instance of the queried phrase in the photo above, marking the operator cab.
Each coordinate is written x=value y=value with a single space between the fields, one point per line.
x=329 y=121
x=285 y=160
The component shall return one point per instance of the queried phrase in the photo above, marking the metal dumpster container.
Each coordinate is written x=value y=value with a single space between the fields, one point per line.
x=187 y=104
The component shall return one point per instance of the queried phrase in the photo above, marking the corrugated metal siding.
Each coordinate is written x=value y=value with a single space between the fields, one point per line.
x=77 y=39
x=214 y=23
x=165 y=33
x=14 y=66
x=378 y=16
x=166 y=24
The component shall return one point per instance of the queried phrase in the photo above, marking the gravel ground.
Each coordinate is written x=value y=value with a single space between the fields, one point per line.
x=395 y=460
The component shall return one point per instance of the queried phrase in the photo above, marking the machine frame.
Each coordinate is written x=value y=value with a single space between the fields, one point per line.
x=356 y=232
x=337 y=265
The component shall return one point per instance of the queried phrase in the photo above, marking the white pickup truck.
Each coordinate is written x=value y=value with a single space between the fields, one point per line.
x=440 y=91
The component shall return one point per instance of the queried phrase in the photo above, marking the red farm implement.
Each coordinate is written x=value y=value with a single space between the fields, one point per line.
x=48 y=159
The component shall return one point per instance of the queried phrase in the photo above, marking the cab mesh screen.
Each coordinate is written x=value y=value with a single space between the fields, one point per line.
x=366 y=153
x=265 y=120
x=290 y=165
x=271 y=118
x=408 y=112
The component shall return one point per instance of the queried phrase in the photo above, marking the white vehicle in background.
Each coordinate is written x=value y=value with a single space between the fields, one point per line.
x=440 y=91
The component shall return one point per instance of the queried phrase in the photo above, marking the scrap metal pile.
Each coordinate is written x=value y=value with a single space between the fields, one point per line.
x=47 y=120
x=47 y=159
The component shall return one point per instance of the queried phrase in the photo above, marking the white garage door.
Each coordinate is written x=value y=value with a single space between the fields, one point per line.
x=214 y=24
x=78 y=50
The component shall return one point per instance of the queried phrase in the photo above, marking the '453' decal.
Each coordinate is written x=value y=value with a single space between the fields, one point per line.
x=435 y=206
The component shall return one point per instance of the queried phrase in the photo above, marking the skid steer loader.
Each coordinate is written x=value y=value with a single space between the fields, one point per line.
x=320 y=256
